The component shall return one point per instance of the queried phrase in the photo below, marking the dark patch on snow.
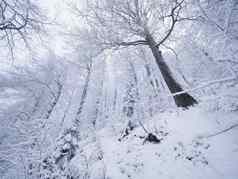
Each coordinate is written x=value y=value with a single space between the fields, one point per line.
x=152 y=139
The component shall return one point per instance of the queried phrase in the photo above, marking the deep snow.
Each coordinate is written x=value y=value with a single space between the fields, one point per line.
x=188 y=149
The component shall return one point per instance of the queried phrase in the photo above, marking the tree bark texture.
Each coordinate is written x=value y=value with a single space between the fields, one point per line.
x=182 y=100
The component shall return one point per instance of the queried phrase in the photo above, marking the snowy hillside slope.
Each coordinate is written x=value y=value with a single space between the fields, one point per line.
x=119 y=89
x=191 y=147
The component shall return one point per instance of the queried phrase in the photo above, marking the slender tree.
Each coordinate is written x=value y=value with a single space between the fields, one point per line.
x=84 y=93
x=124 y=23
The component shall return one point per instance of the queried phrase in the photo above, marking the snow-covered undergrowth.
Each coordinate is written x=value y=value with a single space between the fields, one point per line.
x=194 y=144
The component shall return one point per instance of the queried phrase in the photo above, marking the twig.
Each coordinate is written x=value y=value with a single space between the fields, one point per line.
x=220 y=132
x=146 y=131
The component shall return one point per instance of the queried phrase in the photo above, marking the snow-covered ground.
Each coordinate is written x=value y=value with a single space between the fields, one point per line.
x=194 y=145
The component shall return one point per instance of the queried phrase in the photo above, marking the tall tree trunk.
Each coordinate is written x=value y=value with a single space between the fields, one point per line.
x=56 y=99
x=183 y=100
x=55 y=165
x=84 y=95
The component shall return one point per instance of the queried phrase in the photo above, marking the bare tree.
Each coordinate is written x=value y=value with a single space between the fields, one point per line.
x=18 y=19
x=123 y=23
x=84 y=92
x=39 y=86
x=221 y=15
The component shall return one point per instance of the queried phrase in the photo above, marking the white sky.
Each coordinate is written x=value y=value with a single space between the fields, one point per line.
x=59 y=10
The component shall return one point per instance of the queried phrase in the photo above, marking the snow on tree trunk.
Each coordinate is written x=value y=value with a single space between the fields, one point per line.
x=84 y=94
x=183 y=100
x=55 y=101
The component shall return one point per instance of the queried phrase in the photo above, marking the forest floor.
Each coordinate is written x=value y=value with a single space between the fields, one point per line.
x=194 y=144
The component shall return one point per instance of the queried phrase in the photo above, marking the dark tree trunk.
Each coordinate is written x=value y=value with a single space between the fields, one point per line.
x=182 y=100
x=56 y=99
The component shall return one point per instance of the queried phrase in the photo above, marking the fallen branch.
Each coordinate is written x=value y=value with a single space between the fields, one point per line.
x=203 y=85
x=220 y=132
